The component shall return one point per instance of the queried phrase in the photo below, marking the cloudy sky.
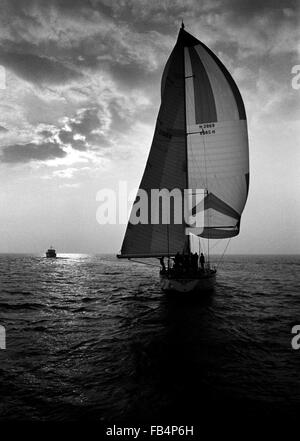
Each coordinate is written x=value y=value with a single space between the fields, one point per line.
x=79 y=95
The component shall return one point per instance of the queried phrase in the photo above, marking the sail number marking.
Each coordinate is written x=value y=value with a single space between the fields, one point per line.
x=207 y=129
x=204 y=129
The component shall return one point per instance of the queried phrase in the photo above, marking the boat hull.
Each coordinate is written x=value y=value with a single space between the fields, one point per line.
x=50 y=255
x=202 y=282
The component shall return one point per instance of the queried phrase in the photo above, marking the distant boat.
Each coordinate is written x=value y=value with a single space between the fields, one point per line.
x=200 y=146
x=51 y=253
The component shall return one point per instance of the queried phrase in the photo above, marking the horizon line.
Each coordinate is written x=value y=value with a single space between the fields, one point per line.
x=115 y=253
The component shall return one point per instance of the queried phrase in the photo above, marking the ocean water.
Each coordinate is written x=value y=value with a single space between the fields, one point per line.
x=92 y=338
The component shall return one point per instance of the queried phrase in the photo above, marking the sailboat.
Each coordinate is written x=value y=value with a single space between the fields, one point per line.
x=200 y=148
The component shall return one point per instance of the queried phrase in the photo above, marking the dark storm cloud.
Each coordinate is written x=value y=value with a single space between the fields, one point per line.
x=144 y=16
x=165 y=16
x=249 y=8
x=22 y=153
x=3 y=129
x=37 y=69
x=67 y=137
x=79 y=144
x=85 y=124
x=132 y=74
x=127 y=43
x=99 y=140
x=62 y=52
x=46 y=133
x=140 y=16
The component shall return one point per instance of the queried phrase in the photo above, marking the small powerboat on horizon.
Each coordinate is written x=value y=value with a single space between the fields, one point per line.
x=51 y=253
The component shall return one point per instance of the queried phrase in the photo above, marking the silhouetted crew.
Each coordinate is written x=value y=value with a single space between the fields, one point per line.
x=195 y=261
x=202 y=260
x=181 y=262
x=186 y=262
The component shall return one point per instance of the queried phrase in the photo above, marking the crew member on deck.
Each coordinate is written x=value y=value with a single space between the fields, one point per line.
x=195 y=262
x=186 y=262
x=202 y=261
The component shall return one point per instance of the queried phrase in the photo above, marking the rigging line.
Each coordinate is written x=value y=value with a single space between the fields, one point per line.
x=221 y=259
x=197 y=241
x=208 y=210
x=216 y=243
x=202 y=244
x=204 y=154
x=195 y=161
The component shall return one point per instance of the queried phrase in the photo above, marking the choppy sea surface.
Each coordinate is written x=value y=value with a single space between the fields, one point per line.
x=93 y=338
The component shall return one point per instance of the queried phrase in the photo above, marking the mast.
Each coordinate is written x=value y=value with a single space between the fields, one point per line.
x=208 y=235
x=206 y=190
x=185 y=135
x=168 y=244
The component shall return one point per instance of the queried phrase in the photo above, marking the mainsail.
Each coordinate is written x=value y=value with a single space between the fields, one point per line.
x=200 y=143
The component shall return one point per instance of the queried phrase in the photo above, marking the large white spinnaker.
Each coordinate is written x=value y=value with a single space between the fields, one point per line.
x=217 y=141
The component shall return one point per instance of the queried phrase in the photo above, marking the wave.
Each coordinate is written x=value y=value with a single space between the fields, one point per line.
x=19 y=306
